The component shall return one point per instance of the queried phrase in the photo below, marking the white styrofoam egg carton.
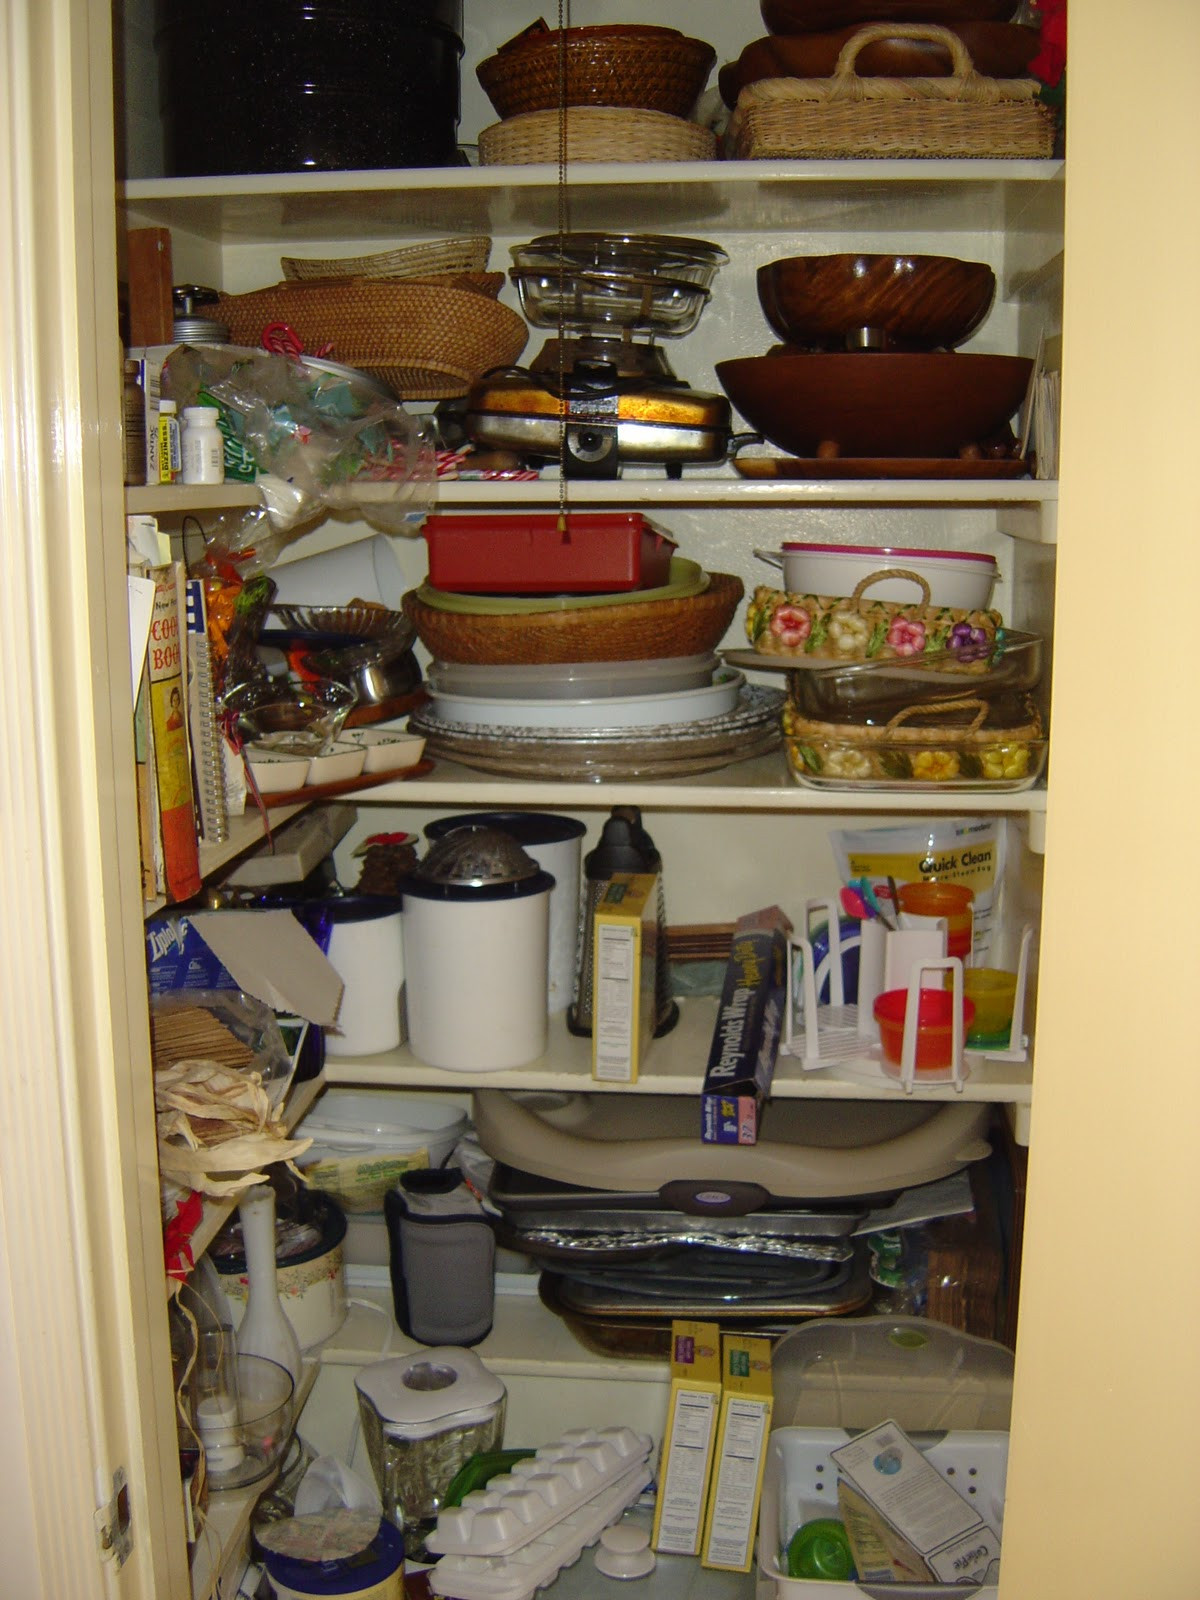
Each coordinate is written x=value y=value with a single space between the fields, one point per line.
x=800 y=1483
x=522 y=1572
x=515 y=1508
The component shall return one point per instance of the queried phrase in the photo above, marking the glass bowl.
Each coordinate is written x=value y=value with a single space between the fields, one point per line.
x=249 y=1432
x=555 y=294
x=279 y=714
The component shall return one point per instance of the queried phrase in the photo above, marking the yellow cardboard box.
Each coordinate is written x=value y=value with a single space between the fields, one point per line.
x=624 y=966
x=746 y=1399
x=689 y=1437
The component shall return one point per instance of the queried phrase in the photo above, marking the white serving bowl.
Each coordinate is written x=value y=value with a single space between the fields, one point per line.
x=341 y=761
x=959 y=578
x=387 y=749
x=276 y=771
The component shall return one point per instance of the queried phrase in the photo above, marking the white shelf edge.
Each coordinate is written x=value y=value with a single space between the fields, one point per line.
x=761 y=784
x=674 y=1065
x=1025 y=496
x=229 y=1512
x=591 y=175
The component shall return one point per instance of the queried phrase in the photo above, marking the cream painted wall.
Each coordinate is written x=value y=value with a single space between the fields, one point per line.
x=1102 y=1490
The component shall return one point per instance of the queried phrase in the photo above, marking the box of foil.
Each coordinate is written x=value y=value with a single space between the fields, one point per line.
x=741 y=1059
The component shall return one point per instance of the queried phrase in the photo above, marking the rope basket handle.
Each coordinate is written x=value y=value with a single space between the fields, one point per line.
x=964 y=83
x=863 y=584
x=973 y=726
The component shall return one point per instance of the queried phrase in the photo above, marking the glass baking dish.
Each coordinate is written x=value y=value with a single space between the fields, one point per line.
x=872 y=691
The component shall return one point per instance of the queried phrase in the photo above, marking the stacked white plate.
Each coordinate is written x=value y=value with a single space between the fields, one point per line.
x=648 y=709
x=572 y=680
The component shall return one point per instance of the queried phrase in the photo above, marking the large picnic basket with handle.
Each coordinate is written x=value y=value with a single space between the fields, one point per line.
x=845 y=115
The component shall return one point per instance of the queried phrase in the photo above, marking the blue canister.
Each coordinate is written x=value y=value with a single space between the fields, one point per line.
x=375 y=1573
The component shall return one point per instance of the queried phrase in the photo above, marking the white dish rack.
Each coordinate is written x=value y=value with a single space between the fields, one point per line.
x=846 y=1035
x=800 y=1484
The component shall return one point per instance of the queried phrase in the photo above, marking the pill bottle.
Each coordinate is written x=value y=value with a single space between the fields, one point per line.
x=169 y=461
x=203 y=448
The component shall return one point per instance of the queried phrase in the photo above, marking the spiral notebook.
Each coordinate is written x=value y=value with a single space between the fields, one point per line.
x=208 y=762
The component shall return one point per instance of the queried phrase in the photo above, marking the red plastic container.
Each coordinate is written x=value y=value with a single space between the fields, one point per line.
x=935 y=1019
x=602 y=552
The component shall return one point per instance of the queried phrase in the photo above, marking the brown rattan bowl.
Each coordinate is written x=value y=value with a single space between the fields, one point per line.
x=868 y=404
x=640 y=631
x=900 y=301
x=426 y=341
x=641 y=67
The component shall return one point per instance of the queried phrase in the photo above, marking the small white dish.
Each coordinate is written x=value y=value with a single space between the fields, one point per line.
x=276 y=771
x=341 y=761
x=387 y=749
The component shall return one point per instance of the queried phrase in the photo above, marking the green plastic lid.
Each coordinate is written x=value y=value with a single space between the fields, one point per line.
x=820 y=1549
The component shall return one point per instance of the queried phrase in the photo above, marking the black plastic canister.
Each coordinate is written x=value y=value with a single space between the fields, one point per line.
x=308 y=85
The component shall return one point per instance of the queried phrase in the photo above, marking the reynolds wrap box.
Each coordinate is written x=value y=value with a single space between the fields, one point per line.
x=741 y=1060
x=731 y=1520
x=688 y=1438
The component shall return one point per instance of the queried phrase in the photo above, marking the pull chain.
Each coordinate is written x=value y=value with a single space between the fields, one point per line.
x=564 y=10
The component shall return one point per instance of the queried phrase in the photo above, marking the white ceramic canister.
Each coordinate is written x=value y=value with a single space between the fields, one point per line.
x=555 y=843
x=476 y=935
x=366 y=950
x=311 y=1283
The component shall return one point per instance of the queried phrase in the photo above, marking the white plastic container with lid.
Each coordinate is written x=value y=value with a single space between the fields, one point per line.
x=364 y=1139
x=202 y=449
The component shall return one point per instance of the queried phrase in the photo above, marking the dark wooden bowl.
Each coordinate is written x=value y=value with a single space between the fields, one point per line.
x=817 y=16
x=868 y=405
x=996 y=49
x=907 y=302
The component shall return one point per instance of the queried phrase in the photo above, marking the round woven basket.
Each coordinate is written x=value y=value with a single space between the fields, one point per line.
x=595 y=133
x=635 y=632
x=646 y=68
x=409 y=261
x=425 y=341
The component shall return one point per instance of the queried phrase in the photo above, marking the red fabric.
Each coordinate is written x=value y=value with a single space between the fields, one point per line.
x=1051 y=60
x=177 y=1236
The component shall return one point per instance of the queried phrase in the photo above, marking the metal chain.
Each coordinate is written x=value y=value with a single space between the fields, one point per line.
x=564 y=15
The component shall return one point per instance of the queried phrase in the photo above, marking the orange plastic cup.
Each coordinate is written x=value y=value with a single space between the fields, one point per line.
x=953 y=901
x=935 y=1025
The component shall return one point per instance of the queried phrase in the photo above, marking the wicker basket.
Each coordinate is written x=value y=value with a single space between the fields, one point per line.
x=645 y=68
x=425 y=341
x=855 y=627
x=595 y=133
x=410 y=261
x=916 y=749
x=964 y=115
x=642 y=631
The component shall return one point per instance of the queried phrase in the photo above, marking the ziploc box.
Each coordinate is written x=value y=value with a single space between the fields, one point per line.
x=745 y=1043
x=921 y=1520
x=624 y=938
x=731 y=1520
x=689 y=1437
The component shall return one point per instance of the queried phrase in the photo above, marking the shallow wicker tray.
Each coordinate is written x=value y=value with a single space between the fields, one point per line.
x=964 y=752
x=595 y=133
x=856 y=627
x=638 y=631
x=408 y=261
x=425 y=341
x=964 y=115
x=643 y=67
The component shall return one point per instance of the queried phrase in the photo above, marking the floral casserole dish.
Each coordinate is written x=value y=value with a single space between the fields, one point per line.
x=959 y=744
x=857 y=628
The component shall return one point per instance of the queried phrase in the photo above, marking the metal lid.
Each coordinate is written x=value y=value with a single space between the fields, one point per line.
x=477 y=858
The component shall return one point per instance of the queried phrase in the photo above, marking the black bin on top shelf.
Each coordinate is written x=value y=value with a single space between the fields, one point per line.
x=308 y=85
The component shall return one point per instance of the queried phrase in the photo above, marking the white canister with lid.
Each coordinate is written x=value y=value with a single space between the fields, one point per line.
x=203 y=447
x=476 y=935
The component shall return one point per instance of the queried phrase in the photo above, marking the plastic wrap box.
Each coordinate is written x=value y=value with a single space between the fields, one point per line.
x=688 y=1438
x=741 y=1059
